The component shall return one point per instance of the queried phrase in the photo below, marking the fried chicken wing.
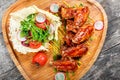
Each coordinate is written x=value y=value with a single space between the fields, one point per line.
x=67 y=13
x=68 y=38
x=71 y=27
x=76 y=51
x=65 y=65
x=83 y=34
x=81 y=16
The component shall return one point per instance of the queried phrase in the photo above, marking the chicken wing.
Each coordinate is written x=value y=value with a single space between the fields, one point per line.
x=81 y=16
x=65 y=65
x=83 y=34
x=71 y=27
x=76 y=51
x=68 y=38
x=67 y=13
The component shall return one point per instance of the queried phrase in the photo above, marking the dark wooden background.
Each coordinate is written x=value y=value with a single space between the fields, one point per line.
x=107 y=66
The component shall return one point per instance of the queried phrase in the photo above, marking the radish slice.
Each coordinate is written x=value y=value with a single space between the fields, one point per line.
x=54 y=8
x=59 y=76
x=98 y=25
x=40 y=18
x=20 y=38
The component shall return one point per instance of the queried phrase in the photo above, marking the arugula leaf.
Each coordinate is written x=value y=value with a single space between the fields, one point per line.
x=31 y=17
x=23 y=33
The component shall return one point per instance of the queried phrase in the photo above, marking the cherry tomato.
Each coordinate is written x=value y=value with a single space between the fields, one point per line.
x=40 y=58
x=41 y=25
x=34 y=44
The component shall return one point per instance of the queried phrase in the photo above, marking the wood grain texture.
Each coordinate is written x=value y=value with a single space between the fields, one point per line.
x=23 y=62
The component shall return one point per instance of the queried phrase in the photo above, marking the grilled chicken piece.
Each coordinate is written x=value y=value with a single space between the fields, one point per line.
x=71 y=27
x=81 y=16
x=76 y=51
x=83 y=34
x=67 y=13
x=68 y=38
x=65 y=65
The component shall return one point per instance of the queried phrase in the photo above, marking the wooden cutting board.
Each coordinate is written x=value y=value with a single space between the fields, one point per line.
x=33 y=72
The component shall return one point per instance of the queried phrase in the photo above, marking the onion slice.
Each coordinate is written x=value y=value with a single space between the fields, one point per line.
x=54 y=8
x=40 y=18
x=98 y=25
x=19 y=37
x=52 y=28
x=52 y=31
x=60 y=76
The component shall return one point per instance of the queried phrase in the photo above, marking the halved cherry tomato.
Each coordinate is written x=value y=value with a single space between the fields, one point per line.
x=34 y=44
x=40 y=58
x=41 y=25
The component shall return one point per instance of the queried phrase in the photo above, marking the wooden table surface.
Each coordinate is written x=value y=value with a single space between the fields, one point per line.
x=107 y=66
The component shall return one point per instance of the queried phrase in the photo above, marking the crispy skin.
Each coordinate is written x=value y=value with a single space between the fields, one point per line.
x=76 y=51
x=65 y=65
x=71 y=27
x=68 y=38
x=83 y=34
x=67 y=13
x=81 y=16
